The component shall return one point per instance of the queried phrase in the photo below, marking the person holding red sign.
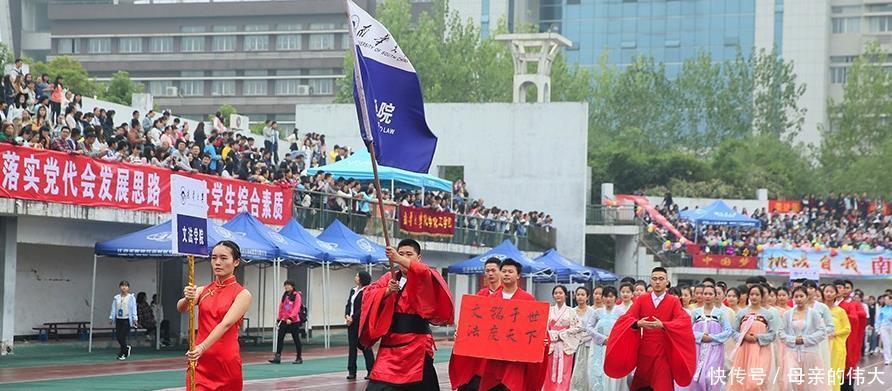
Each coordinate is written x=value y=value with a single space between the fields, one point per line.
x=505 y=375
x=464 y=371
x=398 y=310
x=492 y=276
x=655 y=336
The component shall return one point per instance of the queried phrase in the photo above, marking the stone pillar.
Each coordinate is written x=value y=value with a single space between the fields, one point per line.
x=533 y=51
x=8 y=235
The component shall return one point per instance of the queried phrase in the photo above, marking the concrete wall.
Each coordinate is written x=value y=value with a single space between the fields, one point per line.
x=515 y=156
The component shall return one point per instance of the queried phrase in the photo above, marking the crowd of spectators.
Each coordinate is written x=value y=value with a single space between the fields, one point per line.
x=45 y=114
x=844 y=221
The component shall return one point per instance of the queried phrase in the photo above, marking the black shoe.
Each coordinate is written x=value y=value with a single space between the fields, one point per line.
x=367 y=378
x=351 y=377
x=276 y=360
x=298 y=361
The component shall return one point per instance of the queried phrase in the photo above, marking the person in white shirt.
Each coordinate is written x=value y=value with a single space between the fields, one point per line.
x=123 y=316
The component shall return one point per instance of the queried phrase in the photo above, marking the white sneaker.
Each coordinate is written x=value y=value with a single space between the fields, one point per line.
x=128 y=351
x=121 y=358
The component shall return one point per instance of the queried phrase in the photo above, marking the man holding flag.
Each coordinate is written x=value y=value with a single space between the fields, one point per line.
x=399 y=308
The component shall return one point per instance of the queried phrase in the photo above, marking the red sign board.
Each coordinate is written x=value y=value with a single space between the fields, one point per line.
x=426 y=222
x=51 y=176
x=784 y=206
x=507 y=330
x=718 y=261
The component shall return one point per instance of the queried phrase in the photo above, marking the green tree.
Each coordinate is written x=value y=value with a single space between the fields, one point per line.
x=120 y=89
x=6 y=56
x=76 y=78
x=860 y=129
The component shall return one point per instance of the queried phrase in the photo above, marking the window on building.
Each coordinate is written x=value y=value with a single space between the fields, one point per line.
x=256 y=43
x=223 y=88
x=883 y=7
x=288 y=27
x=160 y=88
x=321 y=86
x=130 y=45
x=193 y=29
x=880 y=24
x=846 y=25
x=192 y=87
x=286 y=87
x=846 y=9
x=69 y=46
x=254 y=87
x=99 y=45
x=322 y=41
x=192 y=44
x=161 y=44
x=322 y=26
x=838 y=75
x=288 y=42
x=224 y=43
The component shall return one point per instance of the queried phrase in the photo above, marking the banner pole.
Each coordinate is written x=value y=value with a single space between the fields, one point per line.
x=192 y=363
x=364 y=110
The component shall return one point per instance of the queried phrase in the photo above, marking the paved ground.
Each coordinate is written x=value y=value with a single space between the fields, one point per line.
x=51 y=366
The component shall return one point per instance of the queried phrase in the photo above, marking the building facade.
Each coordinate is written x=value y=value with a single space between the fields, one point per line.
x=262 y=57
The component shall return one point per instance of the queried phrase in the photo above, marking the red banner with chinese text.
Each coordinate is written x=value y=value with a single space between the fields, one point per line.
x=508 y=330
x=51 y=176
x=719 y=261
x=426 y=222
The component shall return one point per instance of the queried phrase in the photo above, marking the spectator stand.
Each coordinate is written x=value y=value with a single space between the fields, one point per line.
x=154 y=243
x=718 y=214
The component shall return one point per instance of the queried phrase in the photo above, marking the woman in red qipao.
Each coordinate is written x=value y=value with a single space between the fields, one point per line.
x=221 y=306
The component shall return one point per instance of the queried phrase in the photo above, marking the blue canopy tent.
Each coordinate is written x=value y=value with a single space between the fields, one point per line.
x=155 y=242
x=330 y=253
x=563 y=269
x=349 y=245
x=359 y=166
x=504 y=250
x=717 y=213
x=246 y=225
x=602 y=275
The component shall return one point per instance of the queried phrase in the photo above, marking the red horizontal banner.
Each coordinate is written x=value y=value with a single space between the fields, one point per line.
x=507 y=330
x=784 y=206
x=426 y=222
x=718 y=261
x=51 y=176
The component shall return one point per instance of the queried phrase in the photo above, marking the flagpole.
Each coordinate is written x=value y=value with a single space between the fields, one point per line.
x=192 y=363
x=360 y=92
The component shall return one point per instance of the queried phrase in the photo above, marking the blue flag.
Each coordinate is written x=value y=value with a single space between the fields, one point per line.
x=393 y=98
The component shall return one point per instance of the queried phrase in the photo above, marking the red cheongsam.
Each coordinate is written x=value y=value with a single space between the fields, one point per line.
x=220 y=366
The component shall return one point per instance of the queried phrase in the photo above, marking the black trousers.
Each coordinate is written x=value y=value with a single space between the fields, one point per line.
x=428 y=382
x=353 y=346
x=294 y=330
x=474 y=385
x=122 y=330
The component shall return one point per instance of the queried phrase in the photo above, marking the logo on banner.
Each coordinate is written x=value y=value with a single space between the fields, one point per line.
x=225 y=233
x=278 y=238
x=159 y=237
x=365 y=245
x=326 y=245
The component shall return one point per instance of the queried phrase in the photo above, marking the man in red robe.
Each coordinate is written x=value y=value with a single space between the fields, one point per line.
x=492 y=276
x=398 y=310
x=655 y=336
x=858 y=320
x=464 y=371
x=496 y=374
